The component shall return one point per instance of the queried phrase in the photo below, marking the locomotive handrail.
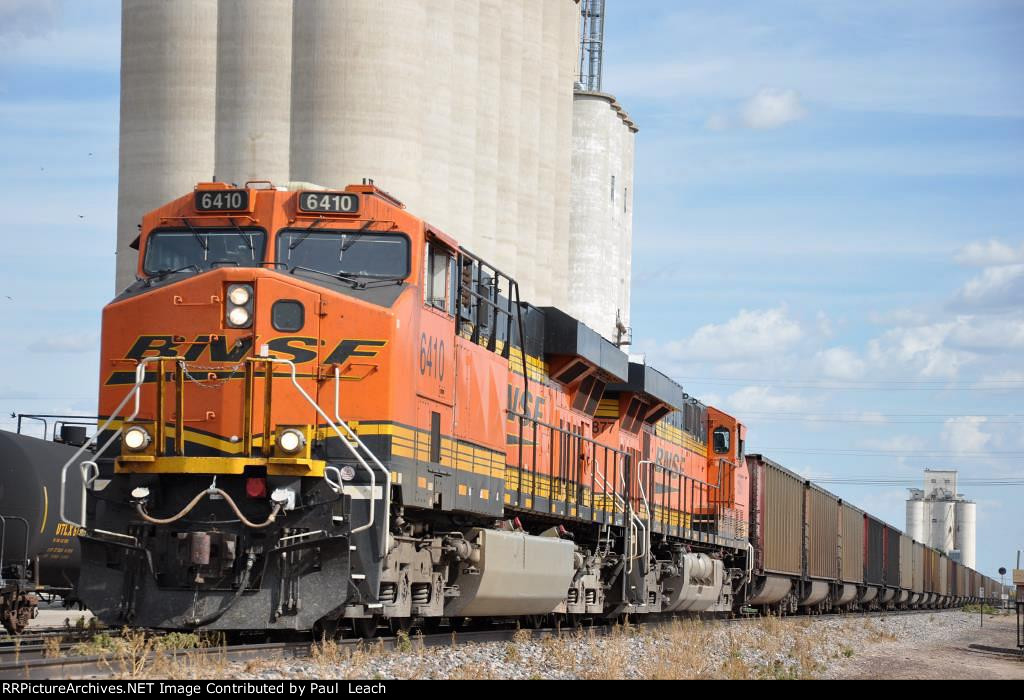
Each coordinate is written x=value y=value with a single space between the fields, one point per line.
x=358 y=440
x=3 y=538
x=334 y=427
x=140 y=379
x=647 y=505
x=632 y=555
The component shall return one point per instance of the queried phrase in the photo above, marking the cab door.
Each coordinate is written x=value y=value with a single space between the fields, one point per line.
x=436 y=450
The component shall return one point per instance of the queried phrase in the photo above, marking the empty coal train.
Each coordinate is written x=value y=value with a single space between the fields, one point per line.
x=320 y=413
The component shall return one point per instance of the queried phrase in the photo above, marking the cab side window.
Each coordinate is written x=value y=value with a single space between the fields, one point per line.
x=438 y=278
x=722 y=441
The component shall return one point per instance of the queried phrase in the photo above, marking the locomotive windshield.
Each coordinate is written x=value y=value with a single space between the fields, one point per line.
x=344 y=253
x=204 y=249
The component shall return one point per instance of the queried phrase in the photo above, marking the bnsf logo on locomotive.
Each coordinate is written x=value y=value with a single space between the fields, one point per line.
x=214 y=348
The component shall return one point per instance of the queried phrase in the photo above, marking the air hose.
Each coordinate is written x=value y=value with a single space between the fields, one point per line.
x=141 y=509
x=213 y=617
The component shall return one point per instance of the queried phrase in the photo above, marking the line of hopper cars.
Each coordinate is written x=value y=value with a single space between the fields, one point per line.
x=815 y=552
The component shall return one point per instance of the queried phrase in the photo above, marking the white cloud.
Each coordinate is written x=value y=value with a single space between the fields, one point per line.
x=67 y=343
x=989 y=254
x=1007 y=376
x=28 y=18
x=964 y=435
x=761 y=398
x=750 y=335
x=997 y=288
x=840 y=363
x=895 y=443
x=897 y=317
x=920 y=67
x=771 y=108
x=942 y=349
x=920 y=348
x=718 y=122
x=987 y=335
x=768 y=109
x=825 y=325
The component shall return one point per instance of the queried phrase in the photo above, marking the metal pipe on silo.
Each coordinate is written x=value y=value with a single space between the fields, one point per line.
x=529 y=147
x=591 y=36
x=509 y=177
x=462 y=159
x=168 y=110
x=358 y=72
x=569 y=17
x=254 y=59
x=487 y=131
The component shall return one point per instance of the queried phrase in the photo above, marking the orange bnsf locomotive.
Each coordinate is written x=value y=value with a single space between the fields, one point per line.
x=320 y=413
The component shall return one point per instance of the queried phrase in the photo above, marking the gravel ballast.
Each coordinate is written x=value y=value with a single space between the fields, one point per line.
x=829 y=647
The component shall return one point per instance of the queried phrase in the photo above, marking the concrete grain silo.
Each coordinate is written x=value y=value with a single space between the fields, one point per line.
x=601 y=173
x=168 y=110
x=943 y=518
x=547 y=154
x=530 y=125
x=254 y=59
x=358 y=78
x=435 y=118
x=569 y=28
x=462 y=160
x=509 y=234
x=915 y=517
x=487 y=130
x=966 y=532
x=463 y=109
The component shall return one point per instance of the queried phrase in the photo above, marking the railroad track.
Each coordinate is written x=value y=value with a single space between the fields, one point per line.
x=33 y=665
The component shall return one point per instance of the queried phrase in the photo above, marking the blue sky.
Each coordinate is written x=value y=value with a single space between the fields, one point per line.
x=828 y=235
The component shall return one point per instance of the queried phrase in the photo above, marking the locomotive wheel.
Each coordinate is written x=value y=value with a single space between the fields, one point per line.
x=574 y=621
x=400 y=624
x=534 y=622
x=20 y=613
x=324 y=630
x=365 y=627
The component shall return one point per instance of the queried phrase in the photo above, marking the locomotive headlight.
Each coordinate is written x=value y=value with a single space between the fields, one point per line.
x=136 y=439
x=238 y=317
x=347 y=473
x=239 y=295
x=291 y=441
x=239 y=307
